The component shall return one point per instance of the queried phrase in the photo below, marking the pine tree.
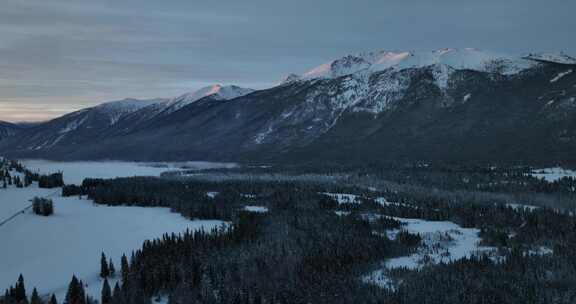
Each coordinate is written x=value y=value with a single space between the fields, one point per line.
x=125 y=269
x=35 y=299
x=117 y=296
x=104 y=271
x=106 y=293
x=20 y=290
x=53 y=300
x=82 y=295
x=75 y=294
x=111 y=268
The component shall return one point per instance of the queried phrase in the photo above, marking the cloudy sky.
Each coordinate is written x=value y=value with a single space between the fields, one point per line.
x=57 y=56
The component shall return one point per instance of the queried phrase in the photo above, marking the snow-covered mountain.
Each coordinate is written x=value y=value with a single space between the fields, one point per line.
x=216 y=92
x=116 y=110
x=116 y=118
x=451 y=59
x=441 y=105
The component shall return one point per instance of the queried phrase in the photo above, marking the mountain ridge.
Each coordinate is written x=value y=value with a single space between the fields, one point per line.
x=423 y=112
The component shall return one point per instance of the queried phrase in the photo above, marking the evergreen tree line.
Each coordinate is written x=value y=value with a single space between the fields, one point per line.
x=28 y=177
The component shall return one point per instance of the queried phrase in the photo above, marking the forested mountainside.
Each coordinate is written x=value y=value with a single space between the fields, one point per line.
x=7 y=129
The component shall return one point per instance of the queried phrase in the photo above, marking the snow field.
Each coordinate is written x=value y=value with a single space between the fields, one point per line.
x=553 y=174
x=76 y=172
x=47 y=251
x=441 y=242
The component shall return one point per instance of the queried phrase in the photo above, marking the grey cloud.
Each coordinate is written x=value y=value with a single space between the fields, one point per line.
x=65 y=54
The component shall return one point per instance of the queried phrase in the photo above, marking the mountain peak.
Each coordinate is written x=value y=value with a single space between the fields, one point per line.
x=467 y=58
x=216 y=91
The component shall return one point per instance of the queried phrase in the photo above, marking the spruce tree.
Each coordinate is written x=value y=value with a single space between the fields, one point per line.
x=111 y=268
x=104 y=271
x=53 y=300
x=82 y=295
x=117 y=296
x=35 y=299
x=125 y=269
x=106 y=293
x=20 y=290
x=75 y=294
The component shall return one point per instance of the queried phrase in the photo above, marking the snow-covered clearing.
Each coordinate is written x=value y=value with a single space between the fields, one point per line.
x=384 y=202
x=343 y=198
x=521 y=206
x=441 y=242
x=47 y=251
x=553 y=174
x=256 y=209
x=342 y=213
x=212 y=194
x=541 y=250
x=76 y=172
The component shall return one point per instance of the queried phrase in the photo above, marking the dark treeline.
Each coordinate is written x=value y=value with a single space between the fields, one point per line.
x=497 y=178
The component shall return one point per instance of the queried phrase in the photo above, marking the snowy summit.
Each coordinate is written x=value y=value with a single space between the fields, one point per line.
x=217 y=92
x=457 y=59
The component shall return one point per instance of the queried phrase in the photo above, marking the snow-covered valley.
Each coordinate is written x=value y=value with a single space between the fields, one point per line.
x=76 y=172
x=47 y=251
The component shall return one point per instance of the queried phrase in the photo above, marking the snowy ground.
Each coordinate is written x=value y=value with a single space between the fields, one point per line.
x=441 y=242
x=76 y=172
x=553 y=174
x=343 y=198
x=384 y=202
x=256 y=209
x=522 y=206
x=49 y=250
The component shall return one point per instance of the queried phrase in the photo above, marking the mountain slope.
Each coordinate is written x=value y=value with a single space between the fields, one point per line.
x=110 y=119
x=448 y=106
x=7 y=129
x=86 y=125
